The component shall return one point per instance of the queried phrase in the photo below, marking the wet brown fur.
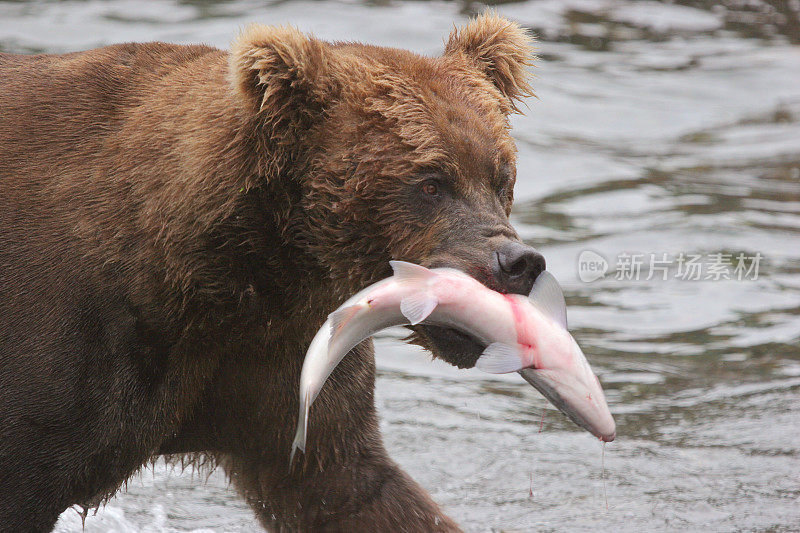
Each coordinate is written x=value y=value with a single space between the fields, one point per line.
x=176 y=222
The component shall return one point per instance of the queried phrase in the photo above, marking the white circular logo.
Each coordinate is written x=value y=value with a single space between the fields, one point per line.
x=591 y=266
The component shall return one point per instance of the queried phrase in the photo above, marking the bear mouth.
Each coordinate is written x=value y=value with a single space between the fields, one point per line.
x=455 y=347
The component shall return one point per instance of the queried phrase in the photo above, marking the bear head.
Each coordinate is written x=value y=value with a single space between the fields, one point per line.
x=386 y=154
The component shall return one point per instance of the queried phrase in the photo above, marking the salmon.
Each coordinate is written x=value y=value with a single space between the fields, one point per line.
x=521 y=334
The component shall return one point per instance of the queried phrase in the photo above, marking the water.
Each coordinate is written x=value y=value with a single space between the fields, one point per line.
x=659 y=128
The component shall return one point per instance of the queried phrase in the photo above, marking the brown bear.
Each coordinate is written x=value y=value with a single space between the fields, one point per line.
x=177 y=221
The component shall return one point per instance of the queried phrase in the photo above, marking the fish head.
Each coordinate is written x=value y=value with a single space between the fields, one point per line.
x=552 y=361
x=563 y=374
x=567 y=381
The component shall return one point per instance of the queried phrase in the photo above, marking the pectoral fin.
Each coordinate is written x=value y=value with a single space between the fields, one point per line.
x=340 y=317
x=500 y=358
x=418 y=307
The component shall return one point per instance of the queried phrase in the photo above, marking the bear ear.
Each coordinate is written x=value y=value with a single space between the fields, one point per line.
x=501 y=49
x=282 y=74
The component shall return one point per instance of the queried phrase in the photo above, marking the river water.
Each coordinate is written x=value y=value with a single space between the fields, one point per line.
x=659 y=128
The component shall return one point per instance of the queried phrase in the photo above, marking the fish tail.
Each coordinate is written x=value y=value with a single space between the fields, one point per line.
x=302 y=428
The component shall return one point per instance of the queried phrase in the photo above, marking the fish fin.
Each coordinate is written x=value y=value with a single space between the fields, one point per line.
x=405 y=271
x=548 y=297
x=418 y=307
x=340 y=316
x=500 y=358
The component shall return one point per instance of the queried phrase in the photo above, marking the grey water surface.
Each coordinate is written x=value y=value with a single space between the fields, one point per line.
x=659 y=128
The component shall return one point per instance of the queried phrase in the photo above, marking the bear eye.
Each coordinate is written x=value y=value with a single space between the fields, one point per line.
x=504 y=190
x=430 y=188
x=506 y=183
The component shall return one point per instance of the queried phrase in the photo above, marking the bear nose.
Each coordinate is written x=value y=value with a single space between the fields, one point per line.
x=517 y=266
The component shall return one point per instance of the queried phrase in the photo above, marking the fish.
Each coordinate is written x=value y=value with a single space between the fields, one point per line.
x=521 y=334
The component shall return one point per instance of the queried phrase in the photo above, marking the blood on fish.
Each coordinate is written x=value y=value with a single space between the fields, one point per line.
x=530 y=488
x=519 y=317
x=522 y=327
x=541 y=422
